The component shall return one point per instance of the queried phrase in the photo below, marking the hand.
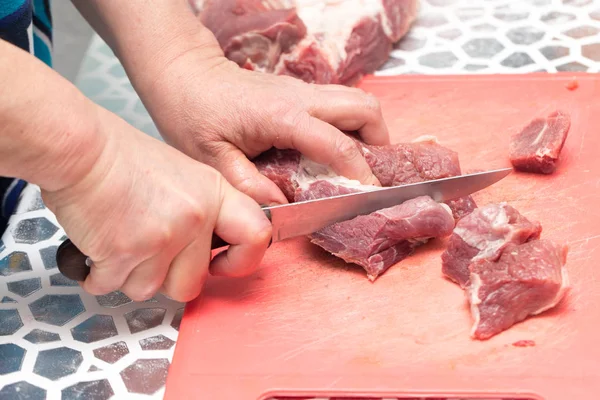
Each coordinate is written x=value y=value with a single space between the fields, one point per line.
x=223 y=116
x=145 y=214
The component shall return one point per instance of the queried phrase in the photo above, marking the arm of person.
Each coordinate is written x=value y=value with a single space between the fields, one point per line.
x=223 y=115
x=43 y=137
x=139 y=208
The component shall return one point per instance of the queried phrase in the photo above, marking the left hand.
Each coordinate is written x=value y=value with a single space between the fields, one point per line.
x=223 y=116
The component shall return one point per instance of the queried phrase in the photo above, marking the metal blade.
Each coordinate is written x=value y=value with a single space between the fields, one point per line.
x=306 y=217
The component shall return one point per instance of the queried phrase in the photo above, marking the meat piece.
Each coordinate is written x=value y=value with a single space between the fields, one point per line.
x=526 y=280
x=280 y=166
x=385 y=237
x=393 y=165
x=411 y=162
x=253 y=33
x=319 y=41
x=537 y=147
x=482 y=235
x=419 y=161
x=374 y=241
x=327 y=188
x=462 y=207
x=346 y=40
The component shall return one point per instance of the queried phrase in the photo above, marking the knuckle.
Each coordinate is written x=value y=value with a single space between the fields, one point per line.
x=123 y=251
x=372 y=103
x=245 y=185
x=196 y=215
x=295 y=119
x=346 y=149
x=161 y=239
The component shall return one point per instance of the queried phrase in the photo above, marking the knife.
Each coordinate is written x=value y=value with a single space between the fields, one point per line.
x=305 y=217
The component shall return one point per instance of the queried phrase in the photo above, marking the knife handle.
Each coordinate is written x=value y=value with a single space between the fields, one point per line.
x=75 y=265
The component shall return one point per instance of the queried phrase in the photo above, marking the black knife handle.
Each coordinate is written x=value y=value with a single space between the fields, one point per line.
x=73 y=264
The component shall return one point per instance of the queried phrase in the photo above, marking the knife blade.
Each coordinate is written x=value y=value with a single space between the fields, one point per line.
x=305 y=217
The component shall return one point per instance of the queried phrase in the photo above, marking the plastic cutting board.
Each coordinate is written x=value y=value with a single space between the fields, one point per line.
x=307 y=324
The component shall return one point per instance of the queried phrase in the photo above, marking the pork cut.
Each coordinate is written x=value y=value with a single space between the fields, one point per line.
x=318 y=41
x=483 y=235
x=537 y=147
x=526 y=280
x=507 y=271
x=385 y=237
x=381 y=239
x=252 y=33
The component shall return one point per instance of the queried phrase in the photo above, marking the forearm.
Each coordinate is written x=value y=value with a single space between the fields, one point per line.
x=48 y=132
x=148 y=36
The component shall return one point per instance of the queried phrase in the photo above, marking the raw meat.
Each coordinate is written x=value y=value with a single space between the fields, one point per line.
x=483 y=235
x=393 y=165
x=526 y=280
x=346 y=39
x=537 y=147
x=252 y=32
x=318 y=41
x=385 y=237
x=381 y=239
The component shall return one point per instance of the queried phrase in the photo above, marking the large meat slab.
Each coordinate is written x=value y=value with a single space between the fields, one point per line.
x=318 y=41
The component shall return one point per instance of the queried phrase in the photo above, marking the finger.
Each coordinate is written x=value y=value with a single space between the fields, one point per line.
x=243 y=225
x=106 y=277
x=242 y=174
x=325 y=144
x=351 y=109
x=146 y=279
x=189 y=269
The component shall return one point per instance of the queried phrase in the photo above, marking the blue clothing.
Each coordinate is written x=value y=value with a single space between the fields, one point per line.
x=26 y=24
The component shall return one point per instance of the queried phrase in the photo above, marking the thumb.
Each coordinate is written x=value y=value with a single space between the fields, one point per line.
x=242 y=174
x=243 y=225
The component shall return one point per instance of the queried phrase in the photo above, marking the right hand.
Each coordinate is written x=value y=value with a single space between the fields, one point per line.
x=145 y=214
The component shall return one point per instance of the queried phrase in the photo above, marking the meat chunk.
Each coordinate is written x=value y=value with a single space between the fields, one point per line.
x=393 y=165
x=538 y=146
x=483 y=235
x=381 y=239
x=385 y=237
x=405 y=163
x=319 y=41
x=526 y=280
x=280 y=166
x=252 y=33
x=346 y=40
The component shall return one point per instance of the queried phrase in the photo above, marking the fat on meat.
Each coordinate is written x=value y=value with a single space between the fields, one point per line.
x=375 y=241
x=483 y=235
x=252 y=33
x=346 y=39
x=318 y=41
x=526 y=280
x=537 y=147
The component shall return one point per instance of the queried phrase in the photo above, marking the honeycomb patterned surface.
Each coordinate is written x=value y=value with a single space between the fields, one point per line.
x=57 y=342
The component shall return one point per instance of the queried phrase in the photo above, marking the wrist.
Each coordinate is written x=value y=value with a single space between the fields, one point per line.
x=75 y=142
x=48 y=129
x=148 y=50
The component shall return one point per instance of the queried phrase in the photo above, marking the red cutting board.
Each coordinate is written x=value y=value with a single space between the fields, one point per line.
x=308 y=324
